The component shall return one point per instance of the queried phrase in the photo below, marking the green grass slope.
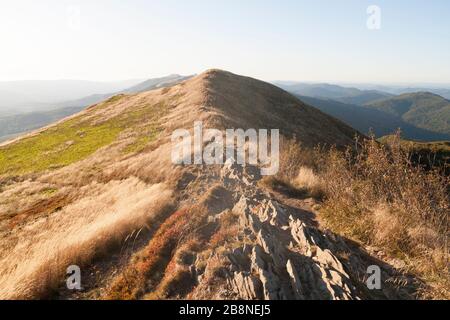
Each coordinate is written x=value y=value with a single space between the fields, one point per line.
x=78 y=137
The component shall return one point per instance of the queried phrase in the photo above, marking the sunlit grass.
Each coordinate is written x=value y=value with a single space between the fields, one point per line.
x=56 y=147
x=77 y=138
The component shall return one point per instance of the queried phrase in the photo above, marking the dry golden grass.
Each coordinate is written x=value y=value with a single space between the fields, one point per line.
x=387 y=227
x=297 y=174
x=378 y=197
x=309 y=181
x=152 y=260
x=294 y=156
x=34 y=258
x=162 y=270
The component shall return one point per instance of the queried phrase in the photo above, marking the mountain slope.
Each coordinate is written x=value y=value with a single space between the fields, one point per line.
x=218 y=98
x=422 y=109
x=23 y=122
x=99 y=190
x=242 y=102
x=365 y=119
x=397 y=90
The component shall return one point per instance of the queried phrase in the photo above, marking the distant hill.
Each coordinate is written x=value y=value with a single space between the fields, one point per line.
x=421 y=109
x=147 y=85
x=397 y=90
x=156 y=83
x=366 y=119
x=443 y=92
x=364 y=97
x=335 y=92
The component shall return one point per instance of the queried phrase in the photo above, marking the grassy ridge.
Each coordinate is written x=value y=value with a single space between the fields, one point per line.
x=77 y=138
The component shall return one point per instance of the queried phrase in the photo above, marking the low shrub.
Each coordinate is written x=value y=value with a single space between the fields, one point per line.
x=149 y=267
x=377 y=196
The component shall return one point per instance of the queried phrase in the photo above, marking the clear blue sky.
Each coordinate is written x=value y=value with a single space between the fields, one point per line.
x=272 y=40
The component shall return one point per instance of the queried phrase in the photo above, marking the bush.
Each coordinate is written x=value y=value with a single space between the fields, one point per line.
x=377 y=196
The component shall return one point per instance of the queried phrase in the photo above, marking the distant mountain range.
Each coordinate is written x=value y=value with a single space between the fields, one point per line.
x=420 y=115
x=146 y=85
x=156 y=83
x=366 y=119
x=397 y=90
x=336 y=92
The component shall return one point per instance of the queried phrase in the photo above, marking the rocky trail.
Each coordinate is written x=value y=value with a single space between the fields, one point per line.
x=280 y=253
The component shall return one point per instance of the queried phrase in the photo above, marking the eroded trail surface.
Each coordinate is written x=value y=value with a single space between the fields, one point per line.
x=284 y=255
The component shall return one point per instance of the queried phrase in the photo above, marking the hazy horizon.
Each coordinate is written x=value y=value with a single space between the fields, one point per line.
x=324 y=41
x=305 y=81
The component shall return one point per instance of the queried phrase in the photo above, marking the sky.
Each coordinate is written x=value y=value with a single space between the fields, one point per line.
x=405 y=41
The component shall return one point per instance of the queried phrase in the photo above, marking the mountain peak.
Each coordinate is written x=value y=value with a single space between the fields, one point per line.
x=235 y=101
